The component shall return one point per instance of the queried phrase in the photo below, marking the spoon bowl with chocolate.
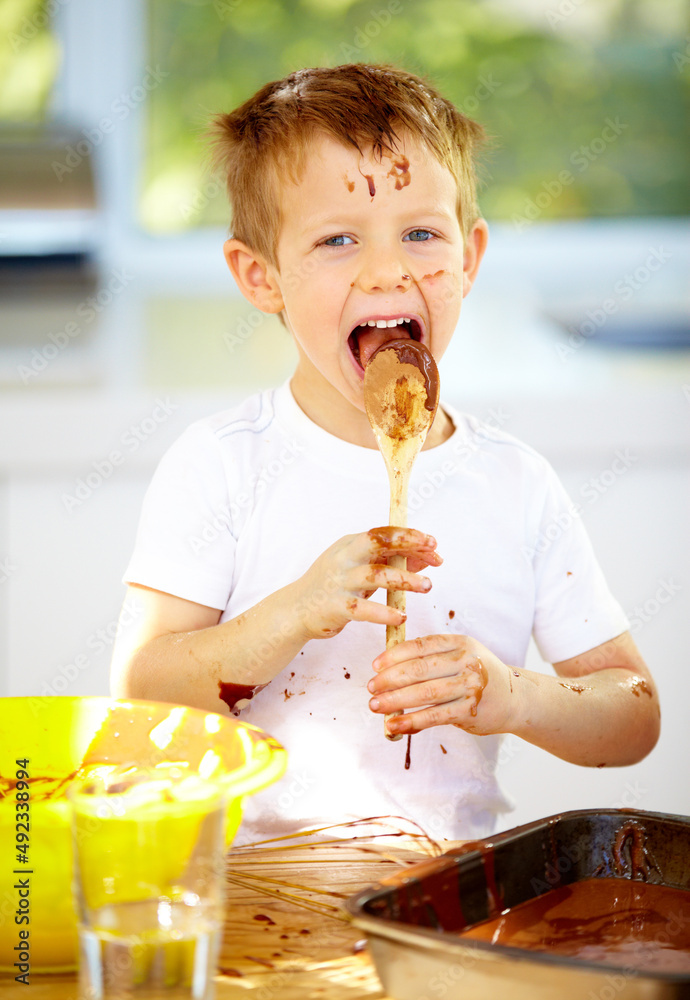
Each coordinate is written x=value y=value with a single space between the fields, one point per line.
x=401 y=390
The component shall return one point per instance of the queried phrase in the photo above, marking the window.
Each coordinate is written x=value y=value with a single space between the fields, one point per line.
x=586 y=101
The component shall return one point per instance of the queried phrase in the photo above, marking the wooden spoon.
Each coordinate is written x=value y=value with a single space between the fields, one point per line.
x=401 y=390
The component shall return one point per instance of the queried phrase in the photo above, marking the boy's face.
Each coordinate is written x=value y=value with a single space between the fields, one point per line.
x=369 y=251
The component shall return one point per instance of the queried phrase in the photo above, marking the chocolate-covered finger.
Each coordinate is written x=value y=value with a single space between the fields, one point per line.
x=390 y=539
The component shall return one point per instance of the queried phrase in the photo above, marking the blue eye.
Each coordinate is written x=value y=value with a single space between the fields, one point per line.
x=337 y=241
x=419 y=236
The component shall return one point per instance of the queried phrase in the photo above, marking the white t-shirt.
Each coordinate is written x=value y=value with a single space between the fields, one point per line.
x=246 y=500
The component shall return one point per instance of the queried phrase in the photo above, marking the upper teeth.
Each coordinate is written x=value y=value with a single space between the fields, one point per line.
x=387 y=322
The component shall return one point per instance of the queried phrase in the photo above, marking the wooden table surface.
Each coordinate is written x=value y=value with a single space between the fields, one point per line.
x=286 y=934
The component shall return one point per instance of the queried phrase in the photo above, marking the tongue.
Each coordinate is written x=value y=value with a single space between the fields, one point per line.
x=370 y=338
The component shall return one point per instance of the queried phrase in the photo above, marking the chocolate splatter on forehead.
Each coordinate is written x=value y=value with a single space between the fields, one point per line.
x=401 y=171
x=370 y=181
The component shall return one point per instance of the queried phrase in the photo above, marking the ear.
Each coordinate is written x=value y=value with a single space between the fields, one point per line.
x=255 y=278
x=475 y=245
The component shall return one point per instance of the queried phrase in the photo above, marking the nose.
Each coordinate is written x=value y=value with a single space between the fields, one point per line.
x=382 y=270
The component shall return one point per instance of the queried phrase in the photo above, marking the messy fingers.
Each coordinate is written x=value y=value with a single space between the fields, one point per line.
x=381 y=543
x=436 y=715
x=373 y=575
x=362 y=610
x=414 y=649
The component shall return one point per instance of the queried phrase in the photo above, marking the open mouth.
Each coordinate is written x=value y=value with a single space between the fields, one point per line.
x=368 y=337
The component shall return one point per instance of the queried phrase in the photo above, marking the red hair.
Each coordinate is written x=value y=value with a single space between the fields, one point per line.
x=367 y=107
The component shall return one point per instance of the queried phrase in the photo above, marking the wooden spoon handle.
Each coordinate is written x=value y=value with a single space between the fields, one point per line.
x=396 y=598
x=395 y=633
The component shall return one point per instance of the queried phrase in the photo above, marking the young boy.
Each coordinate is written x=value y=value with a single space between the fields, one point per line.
x=355 y=219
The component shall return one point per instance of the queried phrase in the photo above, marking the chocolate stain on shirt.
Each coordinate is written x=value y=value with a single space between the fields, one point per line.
x=236 y=696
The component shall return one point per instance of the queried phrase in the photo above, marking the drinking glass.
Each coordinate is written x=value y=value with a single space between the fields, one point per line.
x=149 y=848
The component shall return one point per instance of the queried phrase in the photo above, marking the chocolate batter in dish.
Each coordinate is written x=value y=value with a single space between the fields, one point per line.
x=615 y=921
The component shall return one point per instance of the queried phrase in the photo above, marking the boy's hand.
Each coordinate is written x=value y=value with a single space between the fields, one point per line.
x=448 y=679
x=336 y=588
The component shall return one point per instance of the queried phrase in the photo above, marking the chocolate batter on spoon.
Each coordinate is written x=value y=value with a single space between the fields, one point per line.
x=401 y=389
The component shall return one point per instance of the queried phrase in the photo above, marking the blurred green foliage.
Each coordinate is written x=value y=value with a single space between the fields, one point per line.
x=586 y=101
x=545 y=89
x=29 y=60
x=591 y=96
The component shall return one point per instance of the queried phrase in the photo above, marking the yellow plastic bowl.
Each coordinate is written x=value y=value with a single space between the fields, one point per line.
x=58 y=736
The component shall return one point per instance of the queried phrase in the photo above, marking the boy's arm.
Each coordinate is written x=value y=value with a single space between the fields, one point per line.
x=601 y=709
x=179 y=651
x=617 y=724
